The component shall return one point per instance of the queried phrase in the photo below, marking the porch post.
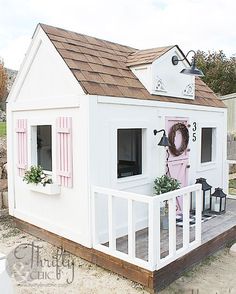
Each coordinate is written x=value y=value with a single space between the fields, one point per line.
x=154 y=233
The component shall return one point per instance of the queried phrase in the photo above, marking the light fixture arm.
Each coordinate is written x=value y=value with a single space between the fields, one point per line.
x=185 y=57
x=175 y=59
x=162 y=130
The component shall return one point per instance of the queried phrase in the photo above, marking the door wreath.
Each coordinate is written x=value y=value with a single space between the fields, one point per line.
x=185 y=138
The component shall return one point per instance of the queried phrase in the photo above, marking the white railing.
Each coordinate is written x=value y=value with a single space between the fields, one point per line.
x=117 y=216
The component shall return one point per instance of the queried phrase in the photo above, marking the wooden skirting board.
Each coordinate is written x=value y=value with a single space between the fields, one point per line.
x=174 y=270
x=106 y=261
x=153 y=281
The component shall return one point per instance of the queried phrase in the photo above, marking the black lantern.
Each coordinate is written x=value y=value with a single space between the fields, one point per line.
x=206 y=194
x=218 y=201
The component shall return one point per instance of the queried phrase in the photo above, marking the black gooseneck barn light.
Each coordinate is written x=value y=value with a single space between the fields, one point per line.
x=164 y=140
x=192 y=70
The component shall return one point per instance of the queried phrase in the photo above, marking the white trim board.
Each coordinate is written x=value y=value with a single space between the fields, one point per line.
x=65 y=102
x=160 y=104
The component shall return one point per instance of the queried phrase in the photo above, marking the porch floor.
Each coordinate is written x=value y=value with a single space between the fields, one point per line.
x=210 y=229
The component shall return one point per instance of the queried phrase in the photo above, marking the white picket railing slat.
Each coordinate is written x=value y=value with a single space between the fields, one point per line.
x=186 y=206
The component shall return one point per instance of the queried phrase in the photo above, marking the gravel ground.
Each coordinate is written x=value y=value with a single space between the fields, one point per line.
x=3 y=146
x=88 y=278
x=216 y=274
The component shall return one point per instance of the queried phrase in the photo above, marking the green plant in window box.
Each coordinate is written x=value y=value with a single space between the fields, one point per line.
x=163 y=185
x=35 y=175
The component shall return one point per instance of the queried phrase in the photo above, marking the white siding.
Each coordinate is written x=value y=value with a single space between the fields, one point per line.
x=109 y=115
x=44 y=79
x=46 y=89
x=66 y=214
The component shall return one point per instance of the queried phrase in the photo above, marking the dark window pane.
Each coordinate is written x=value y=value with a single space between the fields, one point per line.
x=44 y=147
x=129 y=149
x=206 y=148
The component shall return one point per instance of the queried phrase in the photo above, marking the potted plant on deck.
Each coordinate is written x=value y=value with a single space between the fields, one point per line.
x=163 y=185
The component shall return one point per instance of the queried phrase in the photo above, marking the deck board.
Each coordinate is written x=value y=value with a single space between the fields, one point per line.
x=221 y=223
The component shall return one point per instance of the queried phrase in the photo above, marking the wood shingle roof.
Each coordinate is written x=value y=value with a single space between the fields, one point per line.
x=102 y=67
x=146 y=56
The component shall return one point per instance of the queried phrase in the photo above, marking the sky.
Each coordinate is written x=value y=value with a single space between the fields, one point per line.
x=191 y=24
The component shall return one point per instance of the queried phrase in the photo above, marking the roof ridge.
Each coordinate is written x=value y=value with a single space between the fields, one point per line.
x=147 y=56
x=154 y=48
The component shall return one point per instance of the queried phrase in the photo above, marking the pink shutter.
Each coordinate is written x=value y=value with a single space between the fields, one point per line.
x=21 y=130
x=64 y=151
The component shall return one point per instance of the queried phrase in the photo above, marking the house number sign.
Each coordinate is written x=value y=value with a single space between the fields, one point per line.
x=194 y=129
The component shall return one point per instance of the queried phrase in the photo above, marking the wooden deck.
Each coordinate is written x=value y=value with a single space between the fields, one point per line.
x=210 y=229
x=216 y=233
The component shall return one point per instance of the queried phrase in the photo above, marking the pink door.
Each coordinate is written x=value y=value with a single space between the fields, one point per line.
x=177 y=158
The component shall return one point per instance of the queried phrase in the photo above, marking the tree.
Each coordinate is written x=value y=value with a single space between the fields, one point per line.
x=220 y=71
x=3 y=81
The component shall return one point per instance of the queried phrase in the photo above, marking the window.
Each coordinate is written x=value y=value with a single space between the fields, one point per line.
x=44 y=147
x=129 y=152
x=207 y=145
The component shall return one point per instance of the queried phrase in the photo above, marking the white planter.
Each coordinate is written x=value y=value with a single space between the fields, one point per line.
x=49 y=189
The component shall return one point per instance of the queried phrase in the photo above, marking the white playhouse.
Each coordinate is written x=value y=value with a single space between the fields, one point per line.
x=86 y=110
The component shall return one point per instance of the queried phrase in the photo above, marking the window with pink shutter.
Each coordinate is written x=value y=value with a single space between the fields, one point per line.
x=22 y=154
x=64 y=151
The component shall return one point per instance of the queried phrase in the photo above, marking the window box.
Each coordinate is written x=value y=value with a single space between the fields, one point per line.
x=49 y=189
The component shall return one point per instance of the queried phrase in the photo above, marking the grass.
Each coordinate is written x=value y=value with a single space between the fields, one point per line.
x=232 y=186
x=232 y=191
x=232 y=183
x=3 y=129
